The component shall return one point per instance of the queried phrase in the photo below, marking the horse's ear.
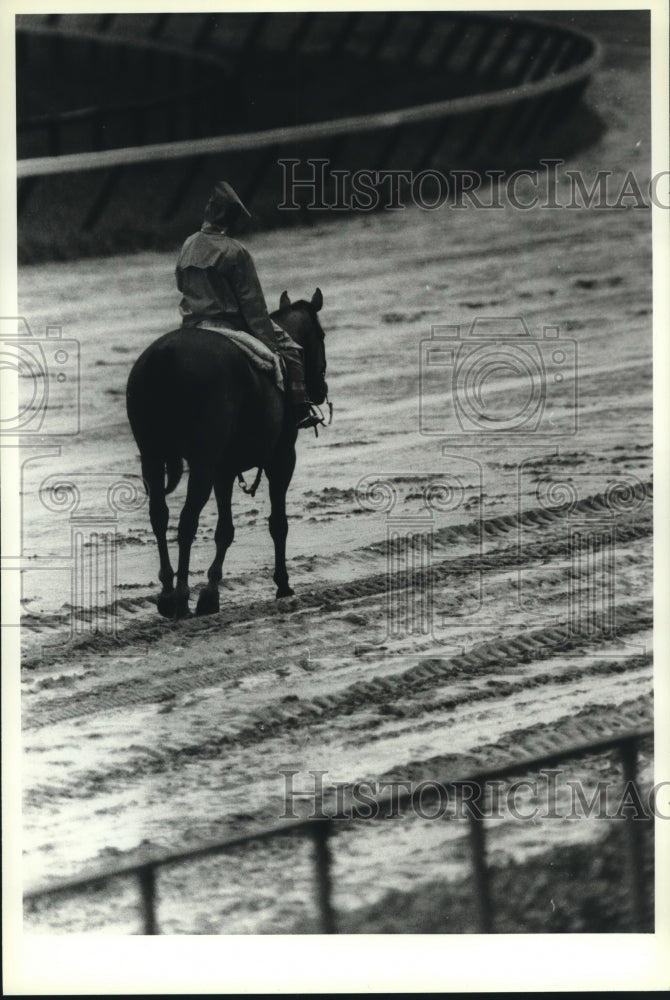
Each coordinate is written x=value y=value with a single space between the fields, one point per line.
x=317 y=300
x=284 y=300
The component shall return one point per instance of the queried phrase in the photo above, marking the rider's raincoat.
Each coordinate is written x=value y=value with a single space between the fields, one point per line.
x=219 y=284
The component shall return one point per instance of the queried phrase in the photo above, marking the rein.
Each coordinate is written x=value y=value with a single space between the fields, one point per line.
x=250 y=490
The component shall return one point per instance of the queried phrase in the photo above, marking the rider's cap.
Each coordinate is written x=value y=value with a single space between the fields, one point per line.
x=224 y=205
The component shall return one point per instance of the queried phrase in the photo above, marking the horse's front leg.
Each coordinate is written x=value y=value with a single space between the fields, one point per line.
x=208 y=601
x=279 y=478
x=197 y=495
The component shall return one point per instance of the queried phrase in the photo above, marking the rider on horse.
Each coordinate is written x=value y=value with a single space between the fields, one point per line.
x=219 y=285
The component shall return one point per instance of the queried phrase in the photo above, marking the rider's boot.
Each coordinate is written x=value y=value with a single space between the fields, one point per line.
x=305 y=415
x=303 y=408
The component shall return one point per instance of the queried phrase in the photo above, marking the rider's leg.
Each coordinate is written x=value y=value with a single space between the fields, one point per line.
x=292 y=354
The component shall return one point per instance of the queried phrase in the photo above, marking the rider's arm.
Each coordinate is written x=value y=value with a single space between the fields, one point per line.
x=251 y=300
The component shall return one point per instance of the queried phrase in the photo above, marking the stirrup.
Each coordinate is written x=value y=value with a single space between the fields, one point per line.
x=313 y=418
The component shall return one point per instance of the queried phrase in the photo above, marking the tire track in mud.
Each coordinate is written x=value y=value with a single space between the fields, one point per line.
x=172 y=682
x=594 y=722
x=487 y=658
x=629 y=526
x=591 y=723
x=483 y=658
x=597 y=720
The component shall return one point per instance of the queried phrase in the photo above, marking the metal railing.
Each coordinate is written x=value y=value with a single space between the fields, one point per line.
x=512 y=80
x=557 y=61
x=322 y=830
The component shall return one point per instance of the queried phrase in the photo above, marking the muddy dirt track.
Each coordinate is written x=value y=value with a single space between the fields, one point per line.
x=413 y=665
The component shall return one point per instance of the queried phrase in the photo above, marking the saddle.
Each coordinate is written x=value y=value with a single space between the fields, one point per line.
x=265 y=360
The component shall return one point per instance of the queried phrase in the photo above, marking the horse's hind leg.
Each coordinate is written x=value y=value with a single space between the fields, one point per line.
x=197 y=495
x=154 y=477
x=208 y=601
x=279 y=478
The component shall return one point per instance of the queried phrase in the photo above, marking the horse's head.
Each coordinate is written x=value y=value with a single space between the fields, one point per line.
x=301 y=322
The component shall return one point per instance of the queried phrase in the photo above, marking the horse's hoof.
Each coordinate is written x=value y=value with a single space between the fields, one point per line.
x=208 y=602
x=166 y=604
x=181 y=609
x=284 y=592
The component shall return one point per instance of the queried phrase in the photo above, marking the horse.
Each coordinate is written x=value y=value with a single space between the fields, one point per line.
x=193 y=395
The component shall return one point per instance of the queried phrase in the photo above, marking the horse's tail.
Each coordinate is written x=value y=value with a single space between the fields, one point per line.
x=152 y=387
x=154 y=473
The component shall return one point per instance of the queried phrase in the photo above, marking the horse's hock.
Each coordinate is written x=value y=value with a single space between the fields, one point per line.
x=173 y=102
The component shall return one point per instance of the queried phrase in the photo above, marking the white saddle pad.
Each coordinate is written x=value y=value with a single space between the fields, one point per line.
x=261 y=356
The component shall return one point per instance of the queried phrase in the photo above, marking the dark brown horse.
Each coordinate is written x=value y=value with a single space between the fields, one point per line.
x=194 y=395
